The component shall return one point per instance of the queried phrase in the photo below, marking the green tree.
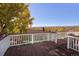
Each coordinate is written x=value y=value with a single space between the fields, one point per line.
x=14 y=16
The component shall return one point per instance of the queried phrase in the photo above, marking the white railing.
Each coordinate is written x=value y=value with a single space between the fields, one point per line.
x=20 y=39
x=73 y=43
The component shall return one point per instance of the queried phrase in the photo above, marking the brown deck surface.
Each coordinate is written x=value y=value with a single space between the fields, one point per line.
x=40 y=49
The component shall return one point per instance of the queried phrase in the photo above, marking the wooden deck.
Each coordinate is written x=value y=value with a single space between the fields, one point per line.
x=41 y=49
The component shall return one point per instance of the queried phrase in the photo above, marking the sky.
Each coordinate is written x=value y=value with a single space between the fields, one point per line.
x=55 y=14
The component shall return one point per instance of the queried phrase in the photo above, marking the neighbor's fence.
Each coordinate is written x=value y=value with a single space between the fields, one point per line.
x=21 y=39
x=73 y=43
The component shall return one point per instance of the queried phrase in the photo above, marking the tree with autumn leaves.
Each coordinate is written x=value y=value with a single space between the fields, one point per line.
x=14 y=17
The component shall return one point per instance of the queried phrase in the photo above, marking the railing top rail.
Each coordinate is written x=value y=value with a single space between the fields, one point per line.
x=73 y=37
x=31 y=33
x=19 y=34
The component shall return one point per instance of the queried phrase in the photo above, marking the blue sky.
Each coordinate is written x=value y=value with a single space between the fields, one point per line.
x=53 y=14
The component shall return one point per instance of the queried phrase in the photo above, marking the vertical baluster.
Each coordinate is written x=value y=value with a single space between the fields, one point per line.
x=68 y=42
x=35 y=37
x=76 y=43
x=22 y=39
x=48 y=37
x=13 y=40
x=10 y=40
x=56 y=40
x=25 y=39
x=44 y=37
x=39 y=37
x=32 y=38
x=17 y=39
x=28 y=38
x=73 y=43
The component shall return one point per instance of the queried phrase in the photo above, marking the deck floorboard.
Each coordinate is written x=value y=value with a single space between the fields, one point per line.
x=39 y=49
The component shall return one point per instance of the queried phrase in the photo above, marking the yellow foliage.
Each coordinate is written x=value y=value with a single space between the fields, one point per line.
x=25 y=13
x=16 y=30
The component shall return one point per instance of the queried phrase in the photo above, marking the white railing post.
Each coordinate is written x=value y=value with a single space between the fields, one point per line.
x=68 y=43
x=32 y=38
x=76 y=44
x=73 y=43
x=56 y=38
x=48 y=37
